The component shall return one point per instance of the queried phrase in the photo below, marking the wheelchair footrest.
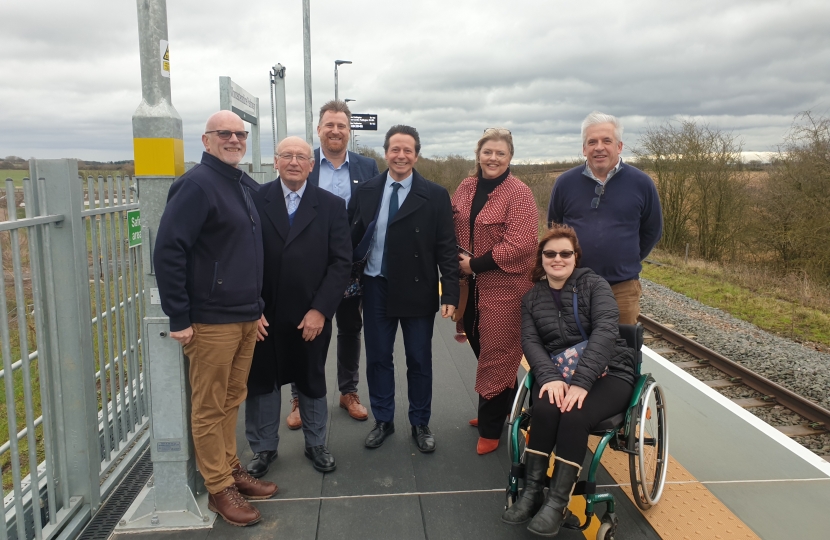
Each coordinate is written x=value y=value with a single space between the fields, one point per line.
x=585 y=488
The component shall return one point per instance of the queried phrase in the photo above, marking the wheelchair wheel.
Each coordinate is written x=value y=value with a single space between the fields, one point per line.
x=519 y=415
x=648 y=436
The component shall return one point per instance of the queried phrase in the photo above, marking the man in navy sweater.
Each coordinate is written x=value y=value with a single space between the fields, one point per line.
x=208 y=260
x=614 y=209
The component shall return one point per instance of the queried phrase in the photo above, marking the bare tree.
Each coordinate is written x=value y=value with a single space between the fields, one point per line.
x=697 y=171
x=793 y=210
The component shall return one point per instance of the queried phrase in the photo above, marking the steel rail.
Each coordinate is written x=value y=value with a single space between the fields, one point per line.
x=783 y=396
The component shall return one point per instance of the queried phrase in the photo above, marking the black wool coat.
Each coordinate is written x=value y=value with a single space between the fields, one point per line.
x=307 y=266
x=420 y=241
x=546 y=330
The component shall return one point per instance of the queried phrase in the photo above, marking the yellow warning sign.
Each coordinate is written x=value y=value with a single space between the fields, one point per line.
x=164 y=50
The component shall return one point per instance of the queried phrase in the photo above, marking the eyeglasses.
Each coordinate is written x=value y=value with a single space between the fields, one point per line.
x=565 y=254
x=599 y=190
x=225 y=134
x=500 y=131
x=288 y=158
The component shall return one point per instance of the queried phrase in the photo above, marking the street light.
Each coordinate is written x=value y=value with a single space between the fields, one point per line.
x=336 y=64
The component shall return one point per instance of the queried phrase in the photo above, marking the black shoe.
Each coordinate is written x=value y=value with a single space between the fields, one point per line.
x=258 y=467
x=321 y=458
x=379 y=434
x=424 y=439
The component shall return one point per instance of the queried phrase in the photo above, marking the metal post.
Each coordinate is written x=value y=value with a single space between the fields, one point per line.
x=170 y=497
x=256 y=151
x=351 y=135
x=309 y=114
x=280 y=120
x=74 y=369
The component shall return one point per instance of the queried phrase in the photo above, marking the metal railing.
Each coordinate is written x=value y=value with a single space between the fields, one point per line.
x=71 y=305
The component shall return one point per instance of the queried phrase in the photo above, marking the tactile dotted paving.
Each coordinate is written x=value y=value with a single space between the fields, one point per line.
x=686 y=510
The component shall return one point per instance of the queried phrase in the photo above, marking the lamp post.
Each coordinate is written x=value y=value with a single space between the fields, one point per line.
x=336 y=65
x=351 y=139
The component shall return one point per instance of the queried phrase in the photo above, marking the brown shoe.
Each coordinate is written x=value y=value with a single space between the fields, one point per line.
x=351 y=402
x=233 y=508
x=293 y=420
x=251 y=488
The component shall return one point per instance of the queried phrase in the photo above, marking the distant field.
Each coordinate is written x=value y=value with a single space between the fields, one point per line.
x=15 y=175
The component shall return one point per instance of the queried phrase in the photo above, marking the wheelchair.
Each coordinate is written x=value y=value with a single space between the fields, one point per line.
x=641 y=432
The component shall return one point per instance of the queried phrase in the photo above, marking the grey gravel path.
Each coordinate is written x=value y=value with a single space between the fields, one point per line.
x=792 y=365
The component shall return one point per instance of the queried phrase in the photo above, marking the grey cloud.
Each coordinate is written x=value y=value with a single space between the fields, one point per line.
x=450 y=69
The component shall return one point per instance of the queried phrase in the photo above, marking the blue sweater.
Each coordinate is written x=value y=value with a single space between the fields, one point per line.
x=617 y=235
x=208 y=250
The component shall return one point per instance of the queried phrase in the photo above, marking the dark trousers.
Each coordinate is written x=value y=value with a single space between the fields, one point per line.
x=262 y=420
x=349 y=325
x=380 y=332
x=569 y=431
x=492 y=412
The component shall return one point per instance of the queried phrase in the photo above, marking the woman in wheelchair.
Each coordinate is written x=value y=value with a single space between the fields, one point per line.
x=583 y=373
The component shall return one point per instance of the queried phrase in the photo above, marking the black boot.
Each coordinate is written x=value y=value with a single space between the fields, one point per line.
x=532 y=496
x=547 y=520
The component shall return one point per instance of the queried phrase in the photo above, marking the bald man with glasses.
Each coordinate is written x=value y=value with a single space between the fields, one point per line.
x=208 y=260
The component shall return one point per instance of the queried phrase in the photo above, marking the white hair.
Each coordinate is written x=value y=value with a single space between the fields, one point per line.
x=597 y=117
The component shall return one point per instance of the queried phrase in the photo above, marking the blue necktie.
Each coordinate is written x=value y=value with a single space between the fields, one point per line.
x=393 y=209
x=293 y=203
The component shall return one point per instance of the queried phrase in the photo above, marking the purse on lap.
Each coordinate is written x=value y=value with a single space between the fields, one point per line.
x=568 y=360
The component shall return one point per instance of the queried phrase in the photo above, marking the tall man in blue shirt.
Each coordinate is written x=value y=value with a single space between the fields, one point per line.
x=614 y=209
x=414 y=238
x=340 y=172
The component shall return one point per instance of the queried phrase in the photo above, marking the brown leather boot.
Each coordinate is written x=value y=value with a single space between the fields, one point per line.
x=233 y=508
x=251 y=488
x=293 y=420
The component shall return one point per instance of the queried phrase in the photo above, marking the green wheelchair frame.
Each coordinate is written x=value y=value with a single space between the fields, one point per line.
x=643 y=437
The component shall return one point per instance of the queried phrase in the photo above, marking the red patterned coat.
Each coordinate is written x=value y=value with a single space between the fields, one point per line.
x=508 y=226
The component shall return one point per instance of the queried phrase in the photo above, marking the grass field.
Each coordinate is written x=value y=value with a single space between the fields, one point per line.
x=784 y=305
x=15 y=175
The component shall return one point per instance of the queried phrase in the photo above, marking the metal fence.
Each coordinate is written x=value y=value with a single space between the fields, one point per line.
x=71 y=305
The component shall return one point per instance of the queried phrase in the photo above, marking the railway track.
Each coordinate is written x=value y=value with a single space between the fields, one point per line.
x=743 y=386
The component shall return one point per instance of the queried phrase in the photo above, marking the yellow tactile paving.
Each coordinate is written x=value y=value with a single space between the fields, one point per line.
x=686 y=510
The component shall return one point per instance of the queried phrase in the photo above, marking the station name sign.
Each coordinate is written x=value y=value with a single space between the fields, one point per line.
x=243 y=103
x=364 y=122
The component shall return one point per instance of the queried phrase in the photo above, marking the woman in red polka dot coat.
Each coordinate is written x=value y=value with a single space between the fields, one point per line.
x=496 y=223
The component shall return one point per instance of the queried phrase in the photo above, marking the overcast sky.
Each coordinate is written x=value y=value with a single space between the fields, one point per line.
x=70 y=79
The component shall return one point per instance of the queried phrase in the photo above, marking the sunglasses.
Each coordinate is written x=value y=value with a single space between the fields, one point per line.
x=500 y=131
x=565 y=254
x=225 y=134
x=599 y=190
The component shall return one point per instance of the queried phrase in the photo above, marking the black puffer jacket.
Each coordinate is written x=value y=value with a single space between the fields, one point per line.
x=546 y=330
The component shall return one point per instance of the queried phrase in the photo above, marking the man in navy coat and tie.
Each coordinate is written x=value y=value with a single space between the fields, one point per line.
x=307 y=264
x=414 y=238
x=340 y=172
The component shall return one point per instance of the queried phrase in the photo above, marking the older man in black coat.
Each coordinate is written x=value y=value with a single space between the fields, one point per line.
x=307 y=266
